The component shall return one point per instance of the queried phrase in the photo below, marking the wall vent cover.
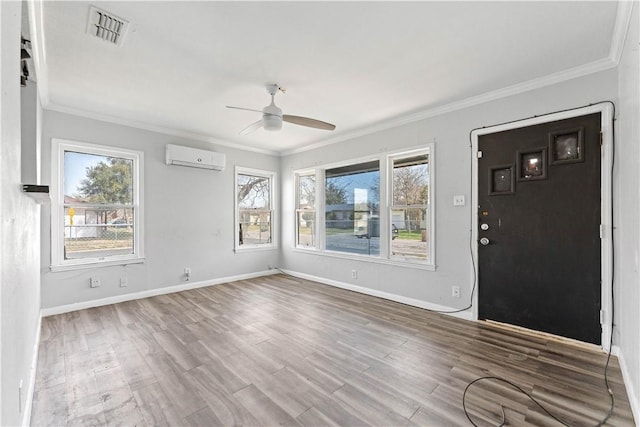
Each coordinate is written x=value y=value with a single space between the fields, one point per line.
x=106 y=26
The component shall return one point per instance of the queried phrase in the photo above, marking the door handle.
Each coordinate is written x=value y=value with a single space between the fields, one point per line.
x=484 y=241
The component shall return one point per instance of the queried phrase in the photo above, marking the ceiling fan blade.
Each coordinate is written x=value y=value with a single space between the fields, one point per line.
x=245 y=109
x=252 y=127
x=306 y=121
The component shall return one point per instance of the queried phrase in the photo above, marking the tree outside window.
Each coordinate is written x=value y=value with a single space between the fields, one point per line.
x=254 y=195
x=409 y=209
x=306 y=210
x=95 y=215
x=352 y=208
x=358 y=221
x=98 y=207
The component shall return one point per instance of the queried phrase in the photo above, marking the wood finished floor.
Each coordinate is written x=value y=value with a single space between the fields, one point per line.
x=284 y=351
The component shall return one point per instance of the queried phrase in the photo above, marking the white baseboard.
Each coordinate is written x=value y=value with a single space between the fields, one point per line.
x=28 y=398
x=628 y=383
x=467 y=314
x=51 y=311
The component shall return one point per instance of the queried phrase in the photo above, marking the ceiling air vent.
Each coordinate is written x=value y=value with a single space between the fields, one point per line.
x=106 y=26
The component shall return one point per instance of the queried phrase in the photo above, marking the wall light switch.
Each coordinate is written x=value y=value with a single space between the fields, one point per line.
x=458 y=200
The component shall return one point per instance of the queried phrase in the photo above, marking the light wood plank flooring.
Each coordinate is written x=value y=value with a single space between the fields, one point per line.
x=284 y=351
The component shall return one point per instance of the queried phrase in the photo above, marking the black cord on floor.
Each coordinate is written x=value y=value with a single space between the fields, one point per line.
x=504 y=420
x=606 y=367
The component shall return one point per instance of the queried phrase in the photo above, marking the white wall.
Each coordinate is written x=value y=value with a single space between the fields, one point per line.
x=29 y=130
x=450 y=134
x=627 y=212
x=19 y=236
x=188 y=216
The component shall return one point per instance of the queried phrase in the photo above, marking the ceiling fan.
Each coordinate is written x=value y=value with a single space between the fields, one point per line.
x=272 y=116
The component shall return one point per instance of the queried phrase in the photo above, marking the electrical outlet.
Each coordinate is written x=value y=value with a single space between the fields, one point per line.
x=187 y=273
x=124 y=282
x=95 y=281
x=354 y=274
x=458 y=200
x=455 y=291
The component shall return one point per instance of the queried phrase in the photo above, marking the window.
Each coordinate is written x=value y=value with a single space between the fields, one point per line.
x=96 y=214
x=379 y=208
x=306 y=210
x=352 y=208
x=254 y=213
x=409 y=209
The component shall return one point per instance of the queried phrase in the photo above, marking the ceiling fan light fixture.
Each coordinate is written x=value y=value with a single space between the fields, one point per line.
x=272 y=122
x=272 y=116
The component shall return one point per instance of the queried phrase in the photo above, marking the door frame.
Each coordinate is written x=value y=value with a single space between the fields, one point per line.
x=606 y=255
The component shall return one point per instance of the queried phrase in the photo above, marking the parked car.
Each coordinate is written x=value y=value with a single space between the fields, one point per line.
x=117 y=221
x=361 y=234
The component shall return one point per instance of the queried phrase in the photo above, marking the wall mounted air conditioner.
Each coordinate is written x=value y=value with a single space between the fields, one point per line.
x=194 y=158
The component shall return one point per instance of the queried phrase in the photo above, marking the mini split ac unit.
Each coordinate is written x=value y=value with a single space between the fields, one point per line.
x=194 y=158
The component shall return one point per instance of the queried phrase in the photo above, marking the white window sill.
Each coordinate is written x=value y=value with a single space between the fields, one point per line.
x=95 y=264
x=255 y=248
x=376 y=260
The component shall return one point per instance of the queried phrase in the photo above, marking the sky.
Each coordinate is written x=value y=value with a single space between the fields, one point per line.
x=75 y=169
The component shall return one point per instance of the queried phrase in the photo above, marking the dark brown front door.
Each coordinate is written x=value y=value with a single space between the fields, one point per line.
x=539 y=227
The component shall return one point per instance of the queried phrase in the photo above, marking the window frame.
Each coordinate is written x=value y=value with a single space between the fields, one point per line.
x=298 y=210
x=386 y=160
x=429 y=207
x=59 y=147
x=321 y=213
x=272 y=176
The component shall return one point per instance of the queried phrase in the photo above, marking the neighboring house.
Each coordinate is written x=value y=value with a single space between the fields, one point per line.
x=349 y=215
x=81 y=223
x=76 y=226
x=340 y=212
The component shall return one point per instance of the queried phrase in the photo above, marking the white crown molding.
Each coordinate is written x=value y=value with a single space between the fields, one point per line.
x=620 y=30
x=623 y=18
x=37 y=45
x=519 y=88
x=40 y=65
x=621 y=26
x=155 y=128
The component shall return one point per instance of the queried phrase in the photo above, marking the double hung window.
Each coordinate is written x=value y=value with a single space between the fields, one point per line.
x=409 y=209
x=306 y=210
x=96 y=213
x=254 y=208
x=380 y=208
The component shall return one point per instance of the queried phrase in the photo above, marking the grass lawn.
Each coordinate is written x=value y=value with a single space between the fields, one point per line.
x=409 y=235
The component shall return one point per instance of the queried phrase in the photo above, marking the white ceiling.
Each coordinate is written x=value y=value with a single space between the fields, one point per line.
x=359 y=65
